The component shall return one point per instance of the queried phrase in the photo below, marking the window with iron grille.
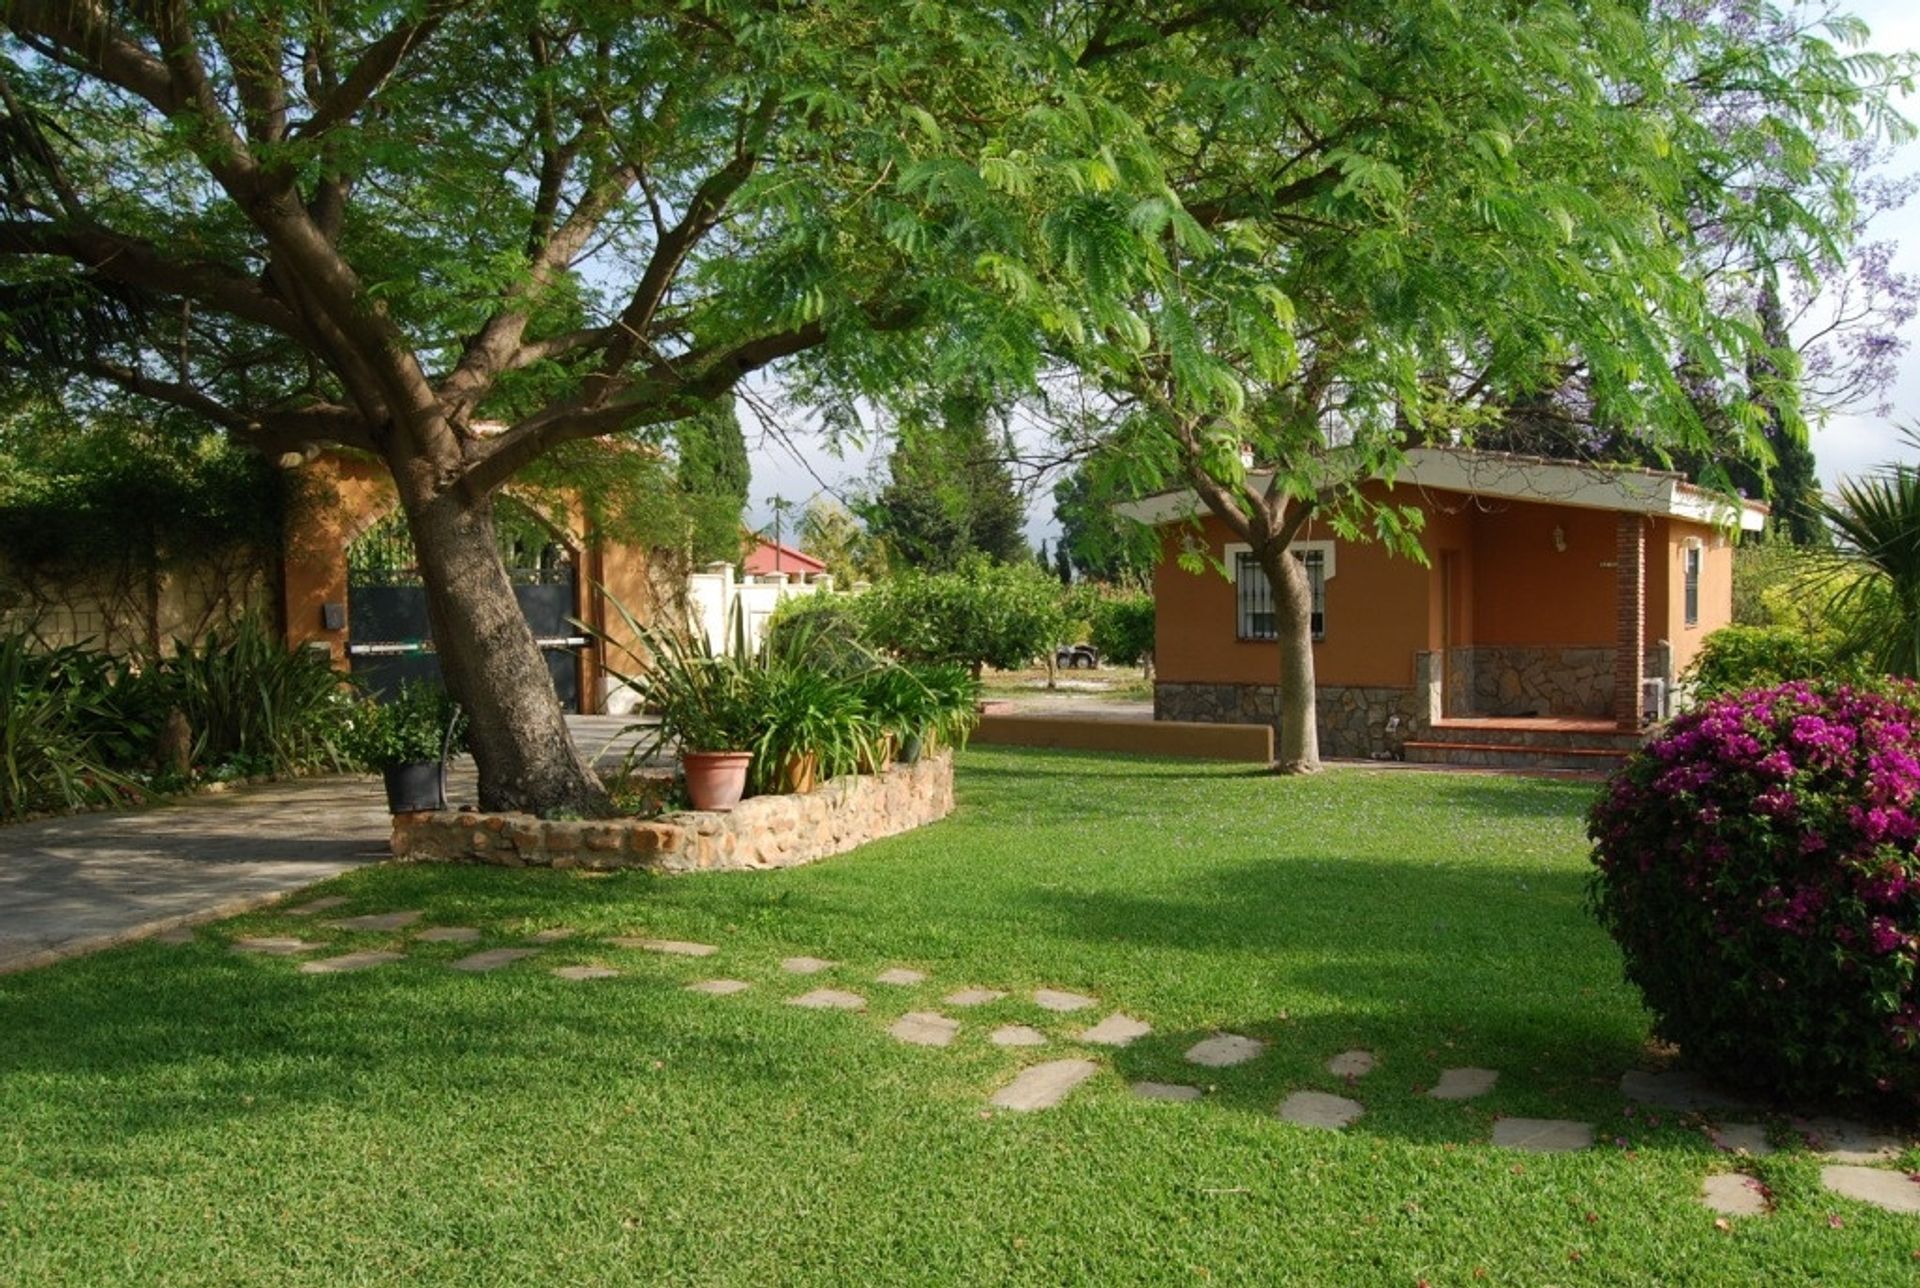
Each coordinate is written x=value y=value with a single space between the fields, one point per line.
x=1256 y=595
x=1692 y=570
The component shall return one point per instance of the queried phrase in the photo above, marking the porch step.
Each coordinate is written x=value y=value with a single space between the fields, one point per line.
x=1520 y=732
x=1495 y=755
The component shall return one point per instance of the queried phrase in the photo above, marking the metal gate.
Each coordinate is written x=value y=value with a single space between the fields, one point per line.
x=390 y=636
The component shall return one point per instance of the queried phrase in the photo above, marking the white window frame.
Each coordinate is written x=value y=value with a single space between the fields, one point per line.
x=1300 y=549
x=1693 y=563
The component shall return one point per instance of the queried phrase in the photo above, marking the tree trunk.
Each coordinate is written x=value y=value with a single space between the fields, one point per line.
x=1293 y=625
x=526 y=758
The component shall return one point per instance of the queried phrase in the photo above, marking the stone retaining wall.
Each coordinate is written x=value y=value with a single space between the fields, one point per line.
x=1354 y=719
x=1548 y=679
x=761 y=832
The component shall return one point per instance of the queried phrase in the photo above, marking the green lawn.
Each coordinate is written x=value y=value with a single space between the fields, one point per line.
x=187 y=1115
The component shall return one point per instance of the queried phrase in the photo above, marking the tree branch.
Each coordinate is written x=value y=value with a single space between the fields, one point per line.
x=375 y=67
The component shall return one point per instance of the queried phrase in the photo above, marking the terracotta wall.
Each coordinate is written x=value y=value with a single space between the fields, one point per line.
x=1376 y=617
x=1513 y=584
x=341 y=496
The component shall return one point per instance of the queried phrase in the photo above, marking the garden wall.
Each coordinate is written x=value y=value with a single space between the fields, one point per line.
x=762 y=832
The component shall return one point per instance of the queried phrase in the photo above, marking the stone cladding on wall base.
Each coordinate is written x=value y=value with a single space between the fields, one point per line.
x=760 y=832
x=1354 y=719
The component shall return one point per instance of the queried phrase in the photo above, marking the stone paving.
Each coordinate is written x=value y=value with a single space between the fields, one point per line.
x=1849 y=1150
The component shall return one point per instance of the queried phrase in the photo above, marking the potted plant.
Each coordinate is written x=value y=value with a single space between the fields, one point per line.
x=708 y=706
x=813 y=726
x=408 y=738
x=902 y=708
x=954 y=709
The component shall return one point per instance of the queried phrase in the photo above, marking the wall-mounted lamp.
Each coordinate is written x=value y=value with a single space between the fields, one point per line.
x=1559 y=538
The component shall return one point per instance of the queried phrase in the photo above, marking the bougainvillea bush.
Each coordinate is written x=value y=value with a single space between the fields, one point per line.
x=1757 y=866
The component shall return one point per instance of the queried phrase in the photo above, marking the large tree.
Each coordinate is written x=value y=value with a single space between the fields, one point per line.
x=1395 y=215
x=949 y=495
x=462 y=236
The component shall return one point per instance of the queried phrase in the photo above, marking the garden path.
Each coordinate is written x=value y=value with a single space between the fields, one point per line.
x=80 y=883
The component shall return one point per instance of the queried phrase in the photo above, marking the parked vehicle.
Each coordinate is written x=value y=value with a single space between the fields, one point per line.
x=1075 y=656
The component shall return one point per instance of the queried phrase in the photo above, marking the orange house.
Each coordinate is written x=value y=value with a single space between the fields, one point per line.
x=1556 y=606
x=348 y=586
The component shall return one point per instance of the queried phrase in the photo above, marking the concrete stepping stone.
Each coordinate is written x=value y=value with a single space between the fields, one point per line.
x=1542 y=1135
x=585 y=972
x=1017 y=1035
x=1053 y=999
x=448 y=935
x=972 y=997
x=1224 y=1050
x=901 y=976
x=805 y=965
x=274 y=946
x=492 y=959
x=1844 y=1141
x=1165 y=1091
x=719 y=987
x=829 y=999
x=1735 y=1194
x=553 y=935
x=1679 y=1089
x=378 y=921
x=1464 y=1084
x=1042 y=1086
x=925 y=1028
x=1351 y=1064
x=313 y=906
x=672 y=947
x=348 y=962
x=1894 y=1191
x=178 y=935
x=1319 y=1109
x=1117 y=1030
x=1741 y=1138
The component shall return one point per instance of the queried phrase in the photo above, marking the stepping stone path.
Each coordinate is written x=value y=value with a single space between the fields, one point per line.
x=1116 y=1030
x=1044 y=1085
x=1165 y=1091
x=925 y=1028
x=1741 y=1138
x=378 y=921
x=327 y=904
x=1894 y=1191
x=1017 y=1035
x=1680 y=1090
x=1319 y=1109
x=1052 y=999
x=274 y=946
x=348 y=962
x=1542 y=1135
x=805 y=965
x=551 y=936
x=672 y=947
x=1735 y=1194
x=1351 y=1064
x=972 y=997
x=492 y=959
x=901 y=976
x=719 y=987
x=448 y=935
x=1463 y=1084
x=1847 y=1142
x=1224 y=1050
x=585 y=972
x=829 y=999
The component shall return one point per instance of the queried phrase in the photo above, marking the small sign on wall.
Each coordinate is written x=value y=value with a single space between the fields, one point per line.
x=333 y=617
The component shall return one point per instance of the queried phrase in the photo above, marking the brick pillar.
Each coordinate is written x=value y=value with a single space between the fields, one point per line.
x=1630 y=618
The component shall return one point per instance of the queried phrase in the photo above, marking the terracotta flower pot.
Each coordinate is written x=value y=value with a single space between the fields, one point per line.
x=797 y=773
x=715 y=779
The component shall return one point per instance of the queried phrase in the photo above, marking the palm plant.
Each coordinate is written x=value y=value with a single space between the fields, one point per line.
x=1877 y=522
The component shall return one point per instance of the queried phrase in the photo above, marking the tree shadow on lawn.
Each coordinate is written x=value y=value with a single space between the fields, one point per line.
x=206 y=1037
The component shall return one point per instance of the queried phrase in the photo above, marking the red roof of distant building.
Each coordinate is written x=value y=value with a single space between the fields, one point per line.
x=771 y=556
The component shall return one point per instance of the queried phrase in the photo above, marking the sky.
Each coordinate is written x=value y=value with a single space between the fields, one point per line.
x=797 y=466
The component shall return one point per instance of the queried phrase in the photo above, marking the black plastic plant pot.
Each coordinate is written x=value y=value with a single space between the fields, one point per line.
x=415 y=786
